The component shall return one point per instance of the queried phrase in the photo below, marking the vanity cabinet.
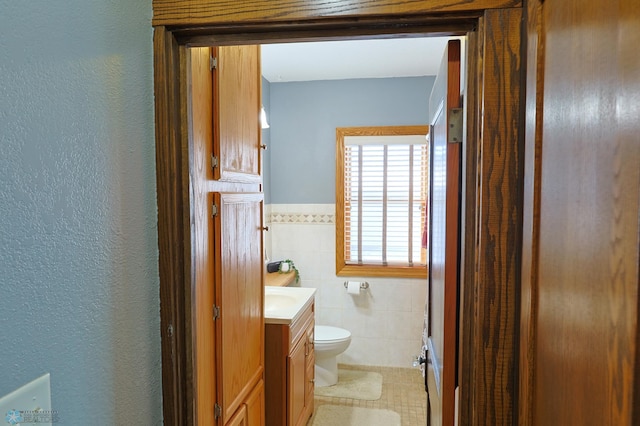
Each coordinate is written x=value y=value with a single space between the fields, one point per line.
x=289 y=370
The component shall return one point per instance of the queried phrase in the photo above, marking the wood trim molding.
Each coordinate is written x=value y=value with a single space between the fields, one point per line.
x=326 y=29
x=468 y=278
x=495 y=281
x=173 y=231
x=349 y=270
x=212 y=12
x=491 y=275
x=531 y=209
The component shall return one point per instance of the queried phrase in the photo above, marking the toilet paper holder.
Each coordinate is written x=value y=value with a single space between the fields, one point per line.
x=363 y=285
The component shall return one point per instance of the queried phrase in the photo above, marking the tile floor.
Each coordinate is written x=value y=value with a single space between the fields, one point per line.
x=402 y=392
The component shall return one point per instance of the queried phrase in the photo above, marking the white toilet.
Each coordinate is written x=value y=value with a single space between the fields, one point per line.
x=329 y=342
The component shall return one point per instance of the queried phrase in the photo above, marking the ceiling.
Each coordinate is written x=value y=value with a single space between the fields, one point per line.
x=337 y=60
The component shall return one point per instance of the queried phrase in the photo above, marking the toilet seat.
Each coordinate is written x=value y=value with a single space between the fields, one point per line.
x=327 y=333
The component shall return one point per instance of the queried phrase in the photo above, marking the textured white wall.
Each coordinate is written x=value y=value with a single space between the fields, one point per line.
x=78 y=238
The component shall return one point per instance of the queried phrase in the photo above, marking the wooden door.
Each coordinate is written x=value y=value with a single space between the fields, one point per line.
x=444 y=250
x=580 y=335
x=239 y=296
x=236 y=124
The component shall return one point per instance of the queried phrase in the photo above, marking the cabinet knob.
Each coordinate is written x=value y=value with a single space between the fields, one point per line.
x=265 y=228
x=263 y=146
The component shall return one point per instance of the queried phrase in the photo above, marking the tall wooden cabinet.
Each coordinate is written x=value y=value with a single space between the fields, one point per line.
x=226 y=217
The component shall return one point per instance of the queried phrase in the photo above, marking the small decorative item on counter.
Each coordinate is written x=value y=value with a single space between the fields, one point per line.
x=273 y=266
x=288 y=265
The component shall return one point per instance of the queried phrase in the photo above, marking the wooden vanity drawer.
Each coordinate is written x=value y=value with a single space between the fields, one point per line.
x=300 y=325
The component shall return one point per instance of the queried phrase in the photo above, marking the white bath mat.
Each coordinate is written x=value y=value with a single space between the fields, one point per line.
x=354 y=384
x=342 y=415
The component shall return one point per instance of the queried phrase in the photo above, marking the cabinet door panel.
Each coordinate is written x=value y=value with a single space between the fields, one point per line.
x=297 y=387
x=239 y=418
x=237 y=131
x=255 y=406
x=239 y=294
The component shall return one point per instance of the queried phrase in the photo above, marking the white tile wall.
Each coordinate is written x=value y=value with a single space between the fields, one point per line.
x=385 y=321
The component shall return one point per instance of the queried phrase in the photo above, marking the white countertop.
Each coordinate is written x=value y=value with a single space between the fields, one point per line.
x=282 y=305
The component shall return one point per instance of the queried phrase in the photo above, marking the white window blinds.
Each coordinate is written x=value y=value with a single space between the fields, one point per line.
x=384 y=199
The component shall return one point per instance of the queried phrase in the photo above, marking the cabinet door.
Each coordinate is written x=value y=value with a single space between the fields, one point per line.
x=297 y=387
x=236 y=115
x=239 y=296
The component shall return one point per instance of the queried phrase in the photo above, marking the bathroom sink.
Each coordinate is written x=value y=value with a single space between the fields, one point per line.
x=283 y=304
x=278 y=301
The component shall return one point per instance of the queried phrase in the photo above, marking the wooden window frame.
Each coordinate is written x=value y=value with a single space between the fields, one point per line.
x=366 y=270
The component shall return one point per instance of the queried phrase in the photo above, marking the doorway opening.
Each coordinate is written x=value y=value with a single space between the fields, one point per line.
x=305 y=107
x=387 y=322
x=179 y=245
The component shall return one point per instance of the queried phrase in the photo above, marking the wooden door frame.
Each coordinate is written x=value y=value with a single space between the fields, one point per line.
x=492 y=175
x=534 y=88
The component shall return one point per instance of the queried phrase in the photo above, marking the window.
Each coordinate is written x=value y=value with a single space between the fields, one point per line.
x=381 y=187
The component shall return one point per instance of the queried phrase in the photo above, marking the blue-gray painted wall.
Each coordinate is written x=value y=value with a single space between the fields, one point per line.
x=79 y=279
x=266 y=140
x=304 y=116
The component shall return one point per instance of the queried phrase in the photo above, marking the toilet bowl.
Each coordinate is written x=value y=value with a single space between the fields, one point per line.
x=329 y=342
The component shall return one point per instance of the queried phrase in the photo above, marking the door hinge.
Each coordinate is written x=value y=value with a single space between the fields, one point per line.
x=214 y=210
x=216 y=312
x=217 y=411
x=214 y=161
x=213 y=63
x=454 y=133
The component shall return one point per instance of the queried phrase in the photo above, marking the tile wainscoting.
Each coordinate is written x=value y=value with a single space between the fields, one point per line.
x=385 y=321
